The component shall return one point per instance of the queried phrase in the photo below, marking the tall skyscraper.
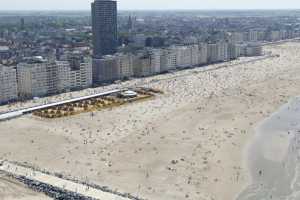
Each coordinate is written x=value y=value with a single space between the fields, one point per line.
x=104 y=22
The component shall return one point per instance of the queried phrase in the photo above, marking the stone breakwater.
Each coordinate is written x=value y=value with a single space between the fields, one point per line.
x=64 y=188
x=49 y=190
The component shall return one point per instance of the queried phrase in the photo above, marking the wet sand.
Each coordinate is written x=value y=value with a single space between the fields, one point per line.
x=186 y=144
x=273 y=156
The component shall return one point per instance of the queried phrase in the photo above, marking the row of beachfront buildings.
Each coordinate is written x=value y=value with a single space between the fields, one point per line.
x=154 y=61
x=37 y=77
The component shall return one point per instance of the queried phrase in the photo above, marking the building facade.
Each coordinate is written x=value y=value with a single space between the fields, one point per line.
x=222 y=52
x=81 y=77
x=203 y=54
x=37 y=79
x=156 y=60
x=43 y=78
x=183 y=56
x=8 y=84
x=212 y=53
x=167 y=59
x=142 y=65
x=105 y=69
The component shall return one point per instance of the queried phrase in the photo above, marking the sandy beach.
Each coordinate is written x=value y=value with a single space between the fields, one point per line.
x=188 y=143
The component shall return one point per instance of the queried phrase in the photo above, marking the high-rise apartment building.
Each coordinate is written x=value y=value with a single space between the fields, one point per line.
x=183 y=56
x=105 y=69
x=212 y=53
x=155 y=56
x=142 y=65
x=125 y=62
x=104 y=23
x=8 y=84
x=74 y=77
x=168 y=60
x=37 y=78
x=222 y=52
x=203 y=53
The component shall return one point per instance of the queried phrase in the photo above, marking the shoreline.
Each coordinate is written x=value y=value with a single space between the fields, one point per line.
x=275 y=141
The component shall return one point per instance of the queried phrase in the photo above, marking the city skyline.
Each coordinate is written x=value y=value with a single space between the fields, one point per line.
x=162 y=100
x=150 y=5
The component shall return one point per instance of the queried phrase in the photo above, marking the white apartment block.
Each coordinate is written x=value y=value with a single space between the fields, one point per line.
x=8 y=84
x=72 y=78
x=183 y=56
x=212 y=53
x=195 y=54
x=202 y=53
x=222 y=51
x=36 y=79
x=82 y=77
x=168 y=59
x=233 y=51
x=125 y=62
x=64 y=70
x=156 y=60
x=253 y=36
x=111 y=68
x=274 y=35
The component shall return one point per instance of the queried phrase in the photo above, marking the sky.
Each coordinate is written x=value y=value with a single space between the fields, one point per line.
x=150 y=4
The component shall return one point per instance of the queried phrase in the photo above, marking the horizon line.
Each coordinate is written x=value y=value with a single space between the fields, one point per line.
x=171 y=9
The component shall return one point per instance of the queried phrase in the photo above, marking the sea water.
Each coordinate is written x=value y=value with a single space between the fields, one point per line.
x=273 y=157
